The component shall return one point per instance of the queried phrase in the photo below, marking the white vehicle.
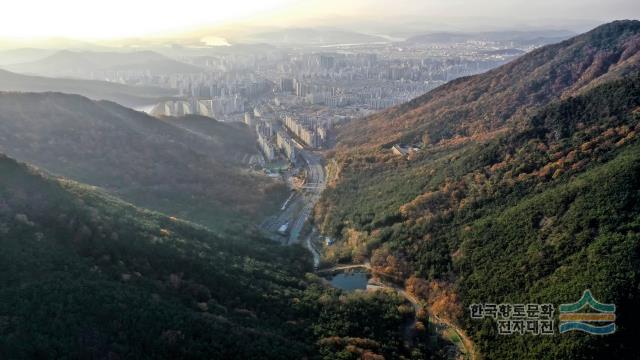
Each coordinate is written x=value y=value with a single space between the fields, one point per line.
x=284 y=229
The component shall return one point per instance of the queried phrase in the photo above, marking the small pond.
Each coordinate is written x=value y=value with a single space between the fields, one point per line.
x=350 y=280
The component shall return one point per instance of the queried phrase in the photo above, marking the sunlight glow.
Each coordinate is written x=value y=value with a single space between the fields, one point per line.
x=113 y=19
x=122 y=18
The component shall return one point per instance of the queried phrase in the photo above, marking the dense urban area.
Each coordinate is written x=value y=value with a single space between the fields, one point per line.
x=293 y=97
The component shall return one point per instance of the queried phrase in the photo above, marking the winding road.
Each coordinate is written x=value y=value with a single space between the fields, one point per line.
x=465 y=345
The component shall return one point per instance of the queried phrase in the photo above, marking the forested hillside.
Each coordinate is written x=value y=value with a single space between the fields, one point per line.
x=475 y=107
x=549 y=248
x=232 y=139
x=147 y=161
x=519 y=193
x=86 y=275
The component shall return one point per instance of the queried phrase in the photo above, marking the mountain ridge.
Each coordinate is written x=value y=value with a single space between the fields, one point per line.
x=68 y=63
x=489 y=101
x=97 y=90
x=147 y=161
x=523 y=190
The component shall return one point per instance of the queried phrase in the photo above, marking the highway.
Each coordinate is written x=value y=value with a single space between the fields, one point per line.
x=312 y=190
x=299 y=206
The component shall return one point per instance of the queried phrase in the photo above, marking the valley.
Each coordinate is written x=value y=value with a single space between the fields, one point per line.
x=381 y=190
x=297 y=209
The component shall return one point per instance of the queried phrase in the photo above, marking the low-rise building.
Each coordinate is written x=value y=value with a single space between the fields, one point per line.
x=404 y=150
x=399 y=150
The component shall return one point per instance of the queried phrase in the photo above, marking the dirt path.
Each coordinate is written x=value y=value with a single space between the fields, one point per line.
x=465 y=346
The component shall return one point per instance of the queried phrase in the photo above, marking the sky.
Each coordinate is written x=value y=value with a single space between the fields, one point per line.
x=112 y=19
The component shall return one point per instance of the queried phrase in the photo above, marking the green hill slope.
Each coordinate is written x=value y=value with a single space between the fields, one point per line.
x=86 y=275
x=149 y=162
x=532 y=203
x=549 y=248
x=487 y=103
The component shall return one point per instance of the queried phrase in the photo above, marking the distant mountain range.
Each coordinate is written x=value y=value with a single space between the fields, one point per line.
x=85 y=64
x=312 y=36
x=98 y=90
x=522 y=38
x=23 y=55
x=196 y=174
x=523 y=188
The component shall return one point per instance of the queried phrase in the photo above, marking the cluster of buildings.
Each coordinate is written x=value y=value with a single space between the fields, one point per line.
x=295 y=87
x=348 y=78
x=307 y=130
x=344 y=81
x=216 y=108
x=273 y=139
x=317 y=92
x=302 y=91
x=371 y=101
x=227 y=92
x=184 y=107
x=283 y=134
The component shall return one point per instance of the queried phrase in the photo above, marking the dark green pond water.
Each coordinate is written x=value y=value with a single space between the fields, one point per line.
x=350 y=281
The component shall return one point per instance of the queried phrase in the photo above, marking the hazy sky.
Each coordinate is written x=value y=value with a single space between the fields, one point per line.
x=87 y=19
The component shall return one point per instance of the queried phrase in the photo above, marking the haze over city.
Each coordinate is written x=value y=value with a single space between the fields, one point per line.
x=118 y=19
